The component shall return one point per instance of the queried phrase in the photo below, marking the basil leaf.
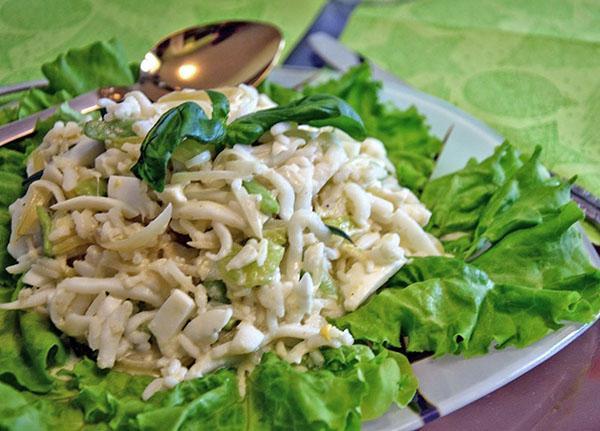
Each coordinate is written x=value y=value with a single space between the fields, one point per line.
x=278 y=93
x=190 y=148
x=189 y=122
x=318 y=110
x=220 y=105
x=186 y=121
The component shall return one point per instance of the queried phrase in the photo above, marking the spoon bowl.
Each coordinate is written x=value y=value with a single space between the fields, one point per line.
x=210 y=56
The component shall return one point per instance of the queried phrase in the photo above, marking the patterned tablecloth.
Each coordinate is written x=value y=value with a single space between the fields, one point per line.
x=530 y=69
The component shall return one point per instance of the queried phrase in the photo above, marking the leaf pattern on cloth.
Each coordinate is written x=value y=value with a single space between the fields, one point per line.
x=529 y=69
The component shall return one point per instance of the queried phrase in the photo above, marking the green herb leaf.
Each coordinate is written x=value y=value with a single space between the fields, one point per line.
x=317 y=110
x=189 y=122
x=185 y=121
x=189 y=149
x=220 y=105
x=278 y=93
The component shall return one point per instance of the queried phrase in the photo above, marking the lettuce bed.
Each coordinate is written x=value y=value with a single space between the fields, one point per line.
x=520 y=270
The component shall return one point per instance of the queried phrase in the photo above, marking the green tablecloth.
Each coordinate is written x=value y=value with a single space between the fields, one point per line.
x=35 y=31
x=529 y=68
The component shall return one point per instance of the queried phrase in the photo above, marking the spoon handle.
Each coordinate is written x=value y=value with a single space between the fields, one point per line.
x=22 y=86
x=84 y=103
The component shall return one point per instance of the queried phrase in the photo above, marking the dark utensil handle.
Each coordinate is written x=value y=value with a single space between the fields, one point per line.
x=589 y=204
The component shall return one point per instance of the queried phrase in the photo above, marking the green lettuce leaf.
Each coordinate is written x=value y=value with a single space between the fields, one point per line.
x=29 y=348
x=35 y=100
x=457 y=200
x=108 y=396
x=9 y=112
x=520 y=316
x=114 y=398
x=6 y=279
x=534 y=274
x=530 y=197
x=433 y=301
x=12 y=170
x=99 y=64
x=213 y=402
x=16 y=412
x=541 y=255
x=444 y=305
x=387 y=375
x=485 y=201
x=30 y=102
x=353 y=384
x=288 y=398
x=26 y=411
x=528 y=274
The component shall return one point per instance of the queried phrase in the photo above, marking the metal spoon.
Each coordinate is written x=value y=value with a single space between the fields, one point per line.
x=214 y=55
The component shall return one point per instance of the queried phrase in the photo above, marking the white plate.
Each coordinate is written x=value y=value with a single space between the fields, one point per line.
x=452 y=382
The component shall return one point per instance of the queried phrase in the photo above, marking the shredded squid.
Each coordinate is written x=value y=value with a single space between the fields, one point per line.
x=199 y=277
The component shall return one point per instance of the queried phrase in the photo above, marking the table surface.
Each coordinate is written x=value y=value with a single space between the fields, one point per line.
x=562 y=393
